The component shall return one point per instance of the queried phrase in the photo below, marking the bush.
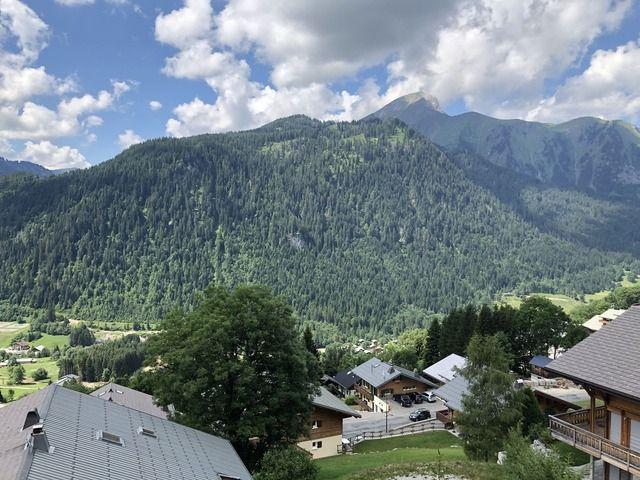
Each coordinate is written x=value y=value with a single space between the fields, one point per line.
x=40 y=374
x=16 y=374
x=286 y=463
x=523 y=463
x=350 y=400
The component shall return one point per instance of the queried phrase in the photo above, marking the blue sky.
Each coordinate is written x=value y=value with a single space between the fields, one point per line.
x=77 y=76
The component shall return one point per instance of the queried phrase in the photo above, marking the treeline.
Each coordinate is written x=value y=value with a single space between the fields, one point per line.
x=354 y=223
x=621 y=298
x=102 y=362
x=537 y=327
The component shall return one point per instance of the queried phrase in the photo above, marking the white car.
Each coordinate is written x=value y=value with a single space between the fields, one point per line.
x=429 y=397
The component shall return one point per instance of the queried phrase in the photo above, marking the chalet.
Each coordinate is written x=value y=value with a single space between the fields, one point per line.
x=444 y=370
x=606 y=365
x=60 y=433
x=19 y=348
x=451 y=394
x=325 y=433
x=377 y=381
x=596 y=322
x=342 y=383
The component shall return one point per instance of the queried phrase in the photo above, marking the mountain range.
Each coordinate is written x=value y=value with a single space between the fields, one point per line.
x=9 y=167
x=365 y=227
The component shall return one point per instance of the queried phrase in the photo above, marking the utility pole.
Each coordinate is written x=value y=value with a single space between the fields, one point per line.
x=387 y=396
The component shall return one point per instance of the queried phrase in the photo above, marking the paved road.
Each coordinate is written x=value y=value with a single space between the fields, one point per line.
x=398 y=416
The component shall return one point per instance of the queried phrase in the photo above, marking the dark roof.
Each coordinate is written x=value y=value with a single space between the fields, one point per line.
x=72 y=422
x=346 y=378
x=112 y=392
x=452 y=392
x=608 y=359
x=376 y=373
x=540 y=361
x=325 y=399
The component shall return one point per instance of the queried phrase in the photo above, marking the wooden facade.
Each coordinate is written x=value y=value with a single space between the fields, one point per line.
x=325 y=423
x=372 y=396
x=610 y=432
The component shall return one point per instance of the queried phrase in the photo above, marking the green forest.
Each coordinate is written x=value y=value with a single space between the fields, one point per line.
x=364 y=226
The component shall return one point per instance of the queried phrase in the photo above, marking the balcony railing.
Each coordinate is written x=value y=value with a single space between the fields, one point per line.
x=445 y=417
x=565 y=428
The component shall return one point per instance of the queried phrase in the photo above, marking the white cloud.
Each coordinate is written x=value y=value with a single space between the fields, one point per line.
x=181 y=28
x=155 y=105
x=33 y=121
x=608 y=88
x=23 y=36
x=52 y=156
x=486 y=52
x=128 y=138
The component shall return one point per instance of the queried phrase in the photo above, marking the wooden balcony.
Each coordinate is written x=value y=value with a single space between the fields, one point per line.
x=364 y=392
x=568 y=428
x=445 y=417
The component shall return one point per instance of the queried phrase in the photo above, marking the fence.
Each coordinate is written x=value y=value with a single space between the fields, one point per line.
x=417 y=427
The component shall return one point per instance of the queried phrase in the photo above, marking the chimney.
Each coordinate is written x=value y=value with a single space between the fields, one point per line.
x=39 y=439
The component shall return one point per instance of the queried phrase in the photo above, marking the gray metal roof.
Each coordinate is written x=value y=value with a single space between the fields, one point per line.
x=452 y=392
x=71 y=421
x=376 y=373
x=112 y=392
x=608 y=358
x=540 y=361
x=447 y=368
x=325 y=399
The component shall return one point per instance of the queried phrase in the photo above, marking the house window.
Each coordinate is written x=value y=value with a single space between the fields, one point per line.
x=316 y=445
x=409 y=387
x=316 y=424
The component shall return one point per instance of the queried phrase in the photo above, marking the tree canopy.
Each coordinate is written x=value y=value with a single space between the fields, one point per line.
x=235 y=366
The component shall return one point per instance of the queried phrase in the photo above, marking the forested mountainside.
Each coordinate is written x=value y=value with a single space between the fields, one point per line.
x=587 y=153
x=8 y=167
x=353 y=222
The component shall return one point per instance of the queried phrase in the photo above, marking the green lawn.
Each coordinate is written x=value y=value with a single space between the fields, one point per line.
x=50 y=341
x=29 y=386
x=565 y=302
x=411 y=449
x=8 y=330
x=435 y=439
x=574 y=456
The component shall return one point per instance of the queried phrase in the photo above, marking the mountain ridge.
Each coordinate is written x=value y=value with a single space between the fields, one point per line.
x=355 y=223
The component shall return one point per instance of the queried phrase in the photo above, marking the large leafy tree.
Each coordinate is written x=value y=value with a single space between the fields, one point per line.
x=490 y=407
x=235 y=366
x=540 y=326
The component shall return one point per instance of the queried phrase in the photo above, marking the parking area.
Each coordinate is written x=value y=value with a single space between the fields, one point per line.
x=398 y=416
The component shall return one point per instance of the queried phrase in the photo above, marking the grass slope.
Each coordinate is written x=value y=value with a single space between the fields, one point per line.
x=420 y=448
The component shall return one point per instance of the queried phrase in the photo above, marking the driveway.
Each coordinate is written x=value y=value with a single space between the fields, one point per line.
x=375 y=422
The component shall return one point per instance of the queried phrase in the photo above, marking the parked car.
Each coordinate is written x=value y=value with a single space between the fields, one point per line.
x=420 y=414
x=429 y=397
x=418 y=398
x=405 y=401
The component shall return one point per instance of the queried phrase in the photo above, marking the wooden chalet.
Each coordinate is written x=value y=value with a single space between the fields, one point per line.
x=325 y=429
x=607 y=365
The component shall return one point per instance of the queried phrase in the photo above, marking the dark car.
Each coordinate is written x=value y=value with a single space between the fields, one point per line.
x=418 y=398
x=420 y=414
x=405 y=401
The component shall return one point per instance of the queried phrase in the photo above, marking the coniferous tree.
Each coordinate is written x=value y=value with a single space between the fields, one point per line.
x=433 y=344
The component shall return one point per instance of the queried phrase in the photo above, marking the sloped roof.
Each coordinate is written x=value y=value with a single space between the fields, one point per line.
x=376 y=373
x=346 y=378
x=325 y=399
x=446 y=369
x=112 y=392
x=451 y=393
x=540 y=361
x=71 y=421
x=596 y=322
x=607 y=359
